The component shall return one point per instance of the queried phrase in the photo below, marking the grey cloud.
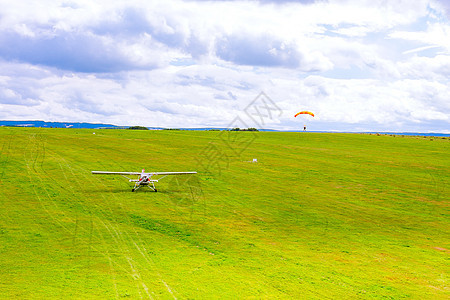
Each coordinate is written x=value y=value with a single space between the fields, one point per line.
x=9 y=96
x=93 y=48
x=232 y=96
x=16 y=89
x=258 y=51
x=291 y=1
x=165 y=29
x=175 y=35
x=212 y=81
x=267 y=1
x=77 y=101
x=446 y=6
x=80 y=52
x=187 y=80
x=129 y=22
x=133 y=22
x=225 y=96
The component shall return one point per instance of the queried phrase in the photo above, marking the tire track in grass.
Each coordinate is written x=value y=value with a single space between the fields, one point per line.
x=129 y=235
x=4 y=155
x=4 y=159
x=112 y=261
x=77 y=226
x=146 y=257
x=108 y=256
x=134 y=240
x=117 y=234
x=74 y=178
x=434 y=179
x=105 y=252
x=32 y=159
x=29 y=159
x=31 y=170
x=149 y=260
x=114 y=234
x=111 y=265
x=33 y=178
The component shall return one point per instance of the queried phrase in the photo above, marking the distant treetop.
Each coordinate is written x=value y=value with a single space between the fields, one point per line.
x=248 y=129
x=138 y=128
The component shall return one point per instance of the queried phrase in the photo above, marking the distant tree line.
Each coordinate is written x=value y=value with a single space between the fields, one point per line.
x=248 y=129
x=137 y=128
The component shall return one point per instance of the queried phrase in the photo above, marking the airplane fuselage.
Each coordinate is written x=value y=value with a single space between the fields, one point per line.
x=144 y=181
x=145 y=178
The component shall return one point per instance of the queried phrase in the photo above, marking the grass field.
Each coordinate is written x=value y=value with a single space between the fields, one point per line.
x=319 y=216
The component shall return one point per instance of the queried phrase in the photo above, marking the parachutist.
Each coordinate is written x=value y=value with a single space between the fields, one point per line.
x=304 y=113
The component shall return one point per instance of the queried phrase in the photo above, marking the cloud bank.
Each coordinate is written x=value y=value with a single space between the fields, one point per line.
x=360 y=65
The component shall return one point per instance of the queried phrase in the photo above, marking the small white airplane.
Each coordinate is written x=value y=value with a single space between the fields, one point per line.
x=145 y=178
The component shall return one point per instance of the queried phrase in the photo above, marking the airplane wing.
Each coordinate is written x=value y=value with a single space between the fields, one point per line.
x=116 y=173
x=171 y=173
x=140 y=173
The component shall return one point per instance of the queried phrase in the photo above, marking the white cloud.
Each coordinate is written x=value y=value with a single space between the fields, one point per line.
x=126 y=34
x=432 y=68
x=176 y=63
x=436 y=35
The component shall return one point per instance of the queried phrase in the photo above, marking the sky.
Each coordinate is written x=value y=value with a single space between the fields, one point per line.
x=358 y=65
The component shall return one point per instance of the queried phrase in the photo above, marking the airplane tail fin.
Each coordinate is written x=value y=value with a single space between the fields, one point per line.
x=142 y=174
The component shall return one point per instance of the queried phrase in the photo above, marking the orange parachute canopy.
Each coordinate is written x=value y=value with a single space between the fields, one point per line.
x=305 y=113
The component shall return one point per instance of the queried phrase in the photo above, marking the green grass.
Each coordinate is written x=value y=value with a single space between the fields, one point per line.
x=319 y=216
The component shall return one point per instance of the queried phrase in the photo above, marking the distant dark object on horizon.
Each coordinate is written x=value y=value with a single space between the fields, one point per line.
x=137 y=128
x=248 y=129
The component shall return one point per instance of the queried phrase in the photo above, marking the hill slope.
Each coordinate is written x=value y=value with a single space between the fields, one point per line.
x=319 y=215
